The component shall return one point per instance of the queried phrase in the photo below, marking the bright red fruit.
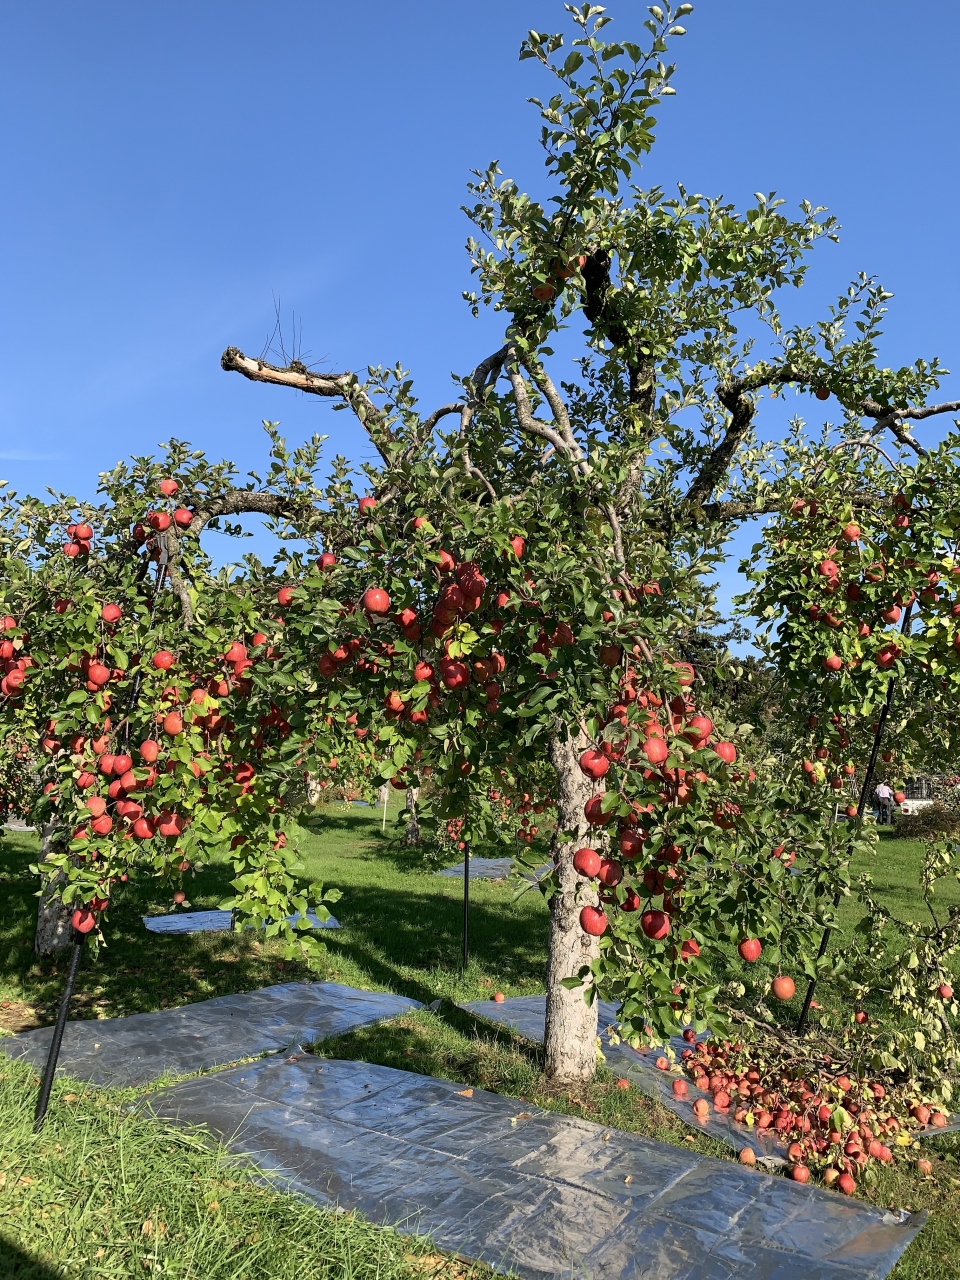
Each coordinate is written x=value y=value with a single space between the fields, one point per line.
x=83 y=921
x=829 y=568
x=173 y=723
x=144 y=829
x=519 y=546
x=158 y=520
x=800 y=1173
x=945 y=991
x=455 y=675
x=121 y=764
x=285 y=596
x=375 y=600
x=327 y=560
x=656 y=750
x=594 y=814
x=846 y=1184
x=163 y=660
x=851 y=532
x=83 y=532
x=610 y=874
x=98 y=674
x=833 y=663
x=726 y=751
x=111 y=613
x=750 y=949
x=236 y=653
x=168 y=487
x=182 y=518
x=611 y=655
x=594 y=763
x=366 y=505
x=170 y=824
x=655 y=924
x=149 y=750
x=587 y=862
x=783 y=988
x=593 y=921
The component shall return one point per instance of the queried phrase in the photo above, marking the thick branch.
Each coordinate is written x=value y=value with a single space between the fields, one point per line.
x=176 y=581
x=717 y=463
x=525 y=419
x=343 y=386
x=237 y=502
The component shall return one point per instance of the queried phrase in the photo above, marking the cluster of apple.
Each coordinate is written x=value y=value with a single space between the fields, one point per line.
x=14 y=663
x=830 y=1120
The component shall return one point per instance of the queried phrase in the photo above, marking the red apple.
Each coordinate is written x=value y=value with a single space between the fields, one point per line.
x=587 y=862
x=366 y=505
x=833 y=663
x=656 y=750
x=610 y=873
x=173 y=723
x=182 y=518
x=158 y=520
x=163 y=660
x=149 y=750
x=726 y=751
x=945 y=991
x=593 y=921
x=655 y=924
x=783 y=988
x=750 y=949
x=83 y=920
x=800 y=1173
x=851 y=532
x=846 y=1184
x=375 y=600
x=498 y=997
x=98 y=674
x=168 y=487
x=111 y=613
x=611 y=655
x=285 y=596
x=121 y=764
x=594 y=763
x=327 y=560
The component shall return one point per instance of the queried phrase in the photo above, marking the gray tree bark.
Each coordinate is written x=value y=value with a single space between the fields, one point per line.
x=570 y=1039
x=54 y=932
x=413 y=822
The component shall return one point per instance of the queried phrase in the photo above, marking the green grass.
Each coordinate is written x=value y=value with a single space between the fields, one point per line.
x=402 y=933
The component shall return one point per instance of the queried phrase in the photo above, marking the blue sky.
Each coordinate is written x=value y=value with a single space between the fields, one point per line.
x=169 y=170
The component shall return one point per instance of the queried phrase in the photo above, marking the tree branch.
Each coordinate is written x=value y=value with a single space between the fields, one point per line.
x=343 y=386
x=525 y=419
x=237 y=502
x=176 y=581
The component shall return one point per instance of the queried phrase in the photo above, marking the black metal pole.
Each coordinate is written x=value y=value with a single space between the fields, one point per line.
x=861 y=806
x=466 y=907
x=79 y=938
x=54 y=1054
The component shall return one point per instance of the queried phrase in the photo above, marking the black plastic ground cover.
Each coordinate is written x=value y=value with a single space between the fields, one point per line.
x=178 y=922
x=526 y=1014
x=121 y=1052
x=543 y=1194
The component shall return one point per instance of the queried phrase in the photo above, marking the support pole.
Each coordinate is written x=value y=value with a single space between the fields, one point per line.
x=466 y=907
x=54 y=1054
x=861 y=806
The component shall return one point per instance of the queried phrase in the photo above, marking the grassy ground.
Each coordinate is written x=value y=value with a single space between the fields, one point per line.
x=401 y=932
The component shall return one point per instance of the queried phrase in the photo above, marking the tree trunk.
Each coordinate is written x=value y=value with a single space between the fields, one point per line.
x=570 y=1038
x=53 y=917
x=413 y=822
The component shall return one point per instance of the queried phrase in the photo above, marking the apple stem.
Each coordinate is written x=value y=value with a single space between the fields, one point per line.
x=861 y=805
x=50 y=1071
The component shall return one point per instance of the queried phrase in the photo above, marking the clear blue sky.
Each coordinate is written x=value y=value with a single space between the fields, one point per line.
x=168 y=169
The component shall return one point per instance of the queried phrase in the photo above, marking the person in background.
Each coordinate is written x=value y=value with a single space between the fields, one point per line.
x=884 y=798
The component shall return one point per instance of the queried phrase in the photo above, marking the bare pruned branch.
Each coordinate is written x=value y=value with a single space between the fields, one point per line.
x=342 y=386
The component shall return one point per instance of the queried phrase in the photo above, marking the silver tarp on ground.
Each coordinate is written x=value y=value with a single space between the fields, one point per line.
x=216 y=922
x=492 y=869
x=547 y=1195
x=129 y=1051
x=526 y=1015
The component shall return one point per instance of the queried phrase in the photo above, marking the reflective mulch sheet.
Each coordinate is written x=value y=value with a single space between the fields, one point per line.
x=544 y=1194
x=526 y=1015
x=491 y=869
x=216 y=922
x=129 y=1051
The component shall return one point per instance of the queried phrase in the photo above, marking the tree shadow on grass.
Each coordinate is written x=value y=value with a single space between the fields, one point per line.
x=17 y=1265
x=393 y=937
